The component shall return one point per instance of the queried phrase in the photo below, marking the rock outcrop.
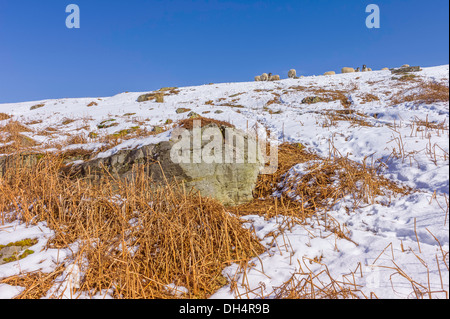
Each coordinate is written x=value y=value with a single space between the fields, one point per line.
x=224 y=164
x=405 y=69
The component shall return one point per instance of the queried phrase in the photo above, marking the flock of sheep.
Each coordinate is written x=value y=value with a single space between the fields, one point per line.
x=292 y=74
x=352 y=70
x=267 y=77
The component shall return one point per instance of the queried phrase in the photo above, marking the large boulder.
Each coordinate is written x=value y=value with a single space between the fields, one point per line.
x=223 y=164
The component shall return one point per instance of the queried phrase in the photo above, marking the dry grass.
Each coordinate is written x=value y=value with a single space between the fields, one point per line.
x=330 y=180
x=275 y=100
x=33 y=122
x=67 y=121
x=17 y=143
x=288 y=155
x=306 y=199
x=422 y=93
x=368 y=97
x=135 y=240
x=204 y=121
x=407 y=78
x=77 y=139
x=13 y=127
x=353 y=117
x=328 y=95
x=320 y=285
x=36 y=283
x=107 y=140
x=12 y=135
x=424 y=128
x=170 y=90
x=4 y=116
x=326 y=182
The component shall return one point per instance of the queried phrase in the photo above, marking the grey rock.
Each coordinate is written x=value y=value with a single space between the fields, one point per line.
x=313 y=100
x=193 y=115
x=230 y=183
x=403 y=70
x=182 y=110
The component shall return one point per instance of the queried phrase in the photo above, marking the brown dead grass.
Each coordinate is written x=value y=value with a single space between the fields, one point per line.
x=353 y=117
x=326 y=182
x=137 y=239
x=12 y=133
x=430 y=125
x=368 y=97
x=306 y=199
x=275 y=100
x=67 y=121
x=328 y=95
x=36 y=283
x=134 y=246
x=13 y=127
x=423 y=92
x=288 y=155
x=4 y=116
x=316 y=285
x=204 y=121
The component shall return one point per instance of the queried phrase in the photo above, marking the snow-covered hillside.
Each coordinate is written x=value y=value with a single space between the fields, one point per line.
x=395 y=250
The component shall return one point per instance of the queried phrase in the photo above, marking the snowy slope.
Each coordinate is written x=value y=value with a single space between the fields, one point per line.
x=384 y=247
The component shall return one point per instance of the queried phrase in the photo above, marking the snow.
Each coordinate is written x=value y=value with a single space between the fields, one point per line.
x=389 y=243
x=137 y=143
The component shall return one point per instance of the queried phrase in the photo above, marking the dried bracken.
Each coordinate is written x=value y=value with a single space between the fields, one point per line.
x=423 y=92
x=137 y=245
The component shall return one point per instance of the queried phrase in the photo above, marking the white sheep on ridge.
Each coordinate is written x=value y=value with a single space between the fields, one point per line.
x=274 y=78
x=348 y=70
x=264 y=77
x=292 y=74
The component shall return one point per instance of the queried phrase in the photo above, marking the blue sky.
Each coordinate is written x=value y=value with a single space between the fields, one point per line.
x=145 y=45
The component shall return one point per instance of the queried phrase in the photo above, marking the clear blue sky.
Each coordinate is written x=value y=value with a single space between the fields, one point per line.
x=145 y=45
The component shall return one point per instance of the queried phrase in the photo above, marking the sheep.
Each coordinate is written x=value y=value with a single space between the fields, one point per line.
x=369 y=69
x=348 y=70
x=364 y=68
x=274 y=78
x=330 y=73
x=405 y=66
x=357 y=69
x=385 y=69
x=292 y=74
x=264 y=77
x=257 y=78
